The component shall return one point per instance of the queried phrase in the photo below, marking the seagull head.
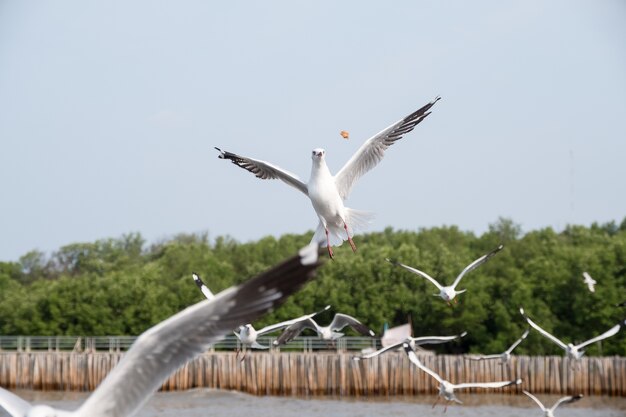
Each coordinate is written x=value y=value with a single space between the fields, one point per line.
x=318 y=154
x=41 y=411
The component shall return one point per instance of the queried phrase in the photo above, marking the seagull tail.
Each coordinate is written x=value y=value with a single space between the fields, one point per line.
x=356 y=220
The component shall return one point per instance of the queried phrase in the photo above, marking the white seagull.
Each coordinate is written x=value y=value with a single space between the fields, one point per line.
x=447 y=293
x=504 y=356
x=205 y=290
x=589 y=281
x=413 y=342
x=247 y=334
x=549 y=412
x=446 y=388
x=329 y=333
x=165 y=347
x=572 y=351
x=327 y=192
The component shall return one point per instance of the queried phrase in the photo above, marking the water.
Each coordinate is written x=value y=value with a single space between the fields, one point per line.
x=205 y=402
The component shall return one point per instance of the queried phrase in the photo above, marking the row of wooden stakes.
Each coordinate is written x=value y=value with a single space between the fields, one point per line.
x=323 y=374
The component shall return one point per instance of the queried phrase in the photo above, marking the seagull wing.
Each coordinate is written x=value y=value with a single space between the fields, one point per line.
x=418 y=272
x=379 y=351
x=294 y=330
x=205 y=290
x=13 y=404
x=483 y=357
x=165 y=347
x=373 y=150
x=265 y=170
x=566 y=400
x=498 y=384
x=535 y=399
x=433 y=340
x=342 y=320
x=543 y=332
x=518 y=341
x=476 y=264
x=611 y=332
x=283 y=324
x=413 y=358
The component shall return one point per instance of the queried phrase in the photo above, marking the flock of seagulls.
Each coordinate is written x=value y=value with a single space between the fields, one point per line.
x=165 y=347
x=162 y=349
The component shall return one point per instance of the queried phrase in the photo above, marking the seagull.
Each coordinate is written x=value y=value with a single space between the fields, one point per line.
x=329 y=333
x=327 y=192
x=504 y=356
x=162 y=349
x=247 y=334
x=589 y=281
x=205 y=290
x=449 y=292
x=413 y=342
x=446 y=388
x=549 y=412
x=572 y=351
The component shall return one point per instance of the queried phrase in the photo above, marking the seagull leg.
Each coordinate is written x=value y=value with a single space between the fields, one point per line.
x=352 y=245
x=445 y=407
x=436 y=401
x=330 y=250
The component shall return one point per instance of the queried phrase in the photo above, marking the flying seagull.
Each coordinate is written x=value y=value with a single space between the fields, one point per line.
x=205 y=290
x=446 y=388
x=572 y=351
x=589 y=281
x=330 y=332
x=327 y=192
x=549 y=412
x=504 y=356
x=413 y=342
x=165 y=347
x=247 y=334
x=447 y=293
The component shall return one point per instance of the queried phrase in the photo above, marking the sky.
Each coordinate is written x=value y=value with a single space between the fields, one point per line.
x=109 y=113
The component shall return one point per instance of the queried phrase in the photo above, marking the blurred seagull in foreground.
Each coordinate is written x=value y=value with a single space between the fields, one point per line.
x=446 y=388
x=162 y=349
x=413 y=342
x=329 y=333
x=448 y=293
x=572 y=351
x=504 y=356
x=589 y=281
x=549 y=412
x=327 y=192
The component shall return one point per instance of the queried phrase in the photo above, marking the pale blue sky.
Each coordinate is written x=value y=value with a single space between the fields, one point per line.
x=109 y=112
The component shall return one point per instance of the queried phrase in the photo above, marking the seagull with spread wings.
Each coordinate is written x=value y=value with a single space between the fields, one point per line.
x=447 y=293
x=573 y=351
x=446 y=388
x=246 y=333
x=504 y=356
x=328 y=192
x=591 y=283
x=549 y=412
x=328 y=333
x=162 y=349
x=413 y=342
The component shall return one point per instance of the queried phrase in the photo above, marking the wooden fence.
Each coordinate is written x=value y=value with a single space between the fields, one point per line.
x=311 y=374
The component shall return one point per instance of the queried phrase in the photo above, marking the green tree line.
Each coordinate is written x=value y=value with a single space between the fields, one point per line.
x=123 y=286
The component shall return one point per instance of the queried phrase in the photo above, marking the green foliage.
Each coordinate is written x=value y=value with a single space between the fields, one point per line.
x=122 y=287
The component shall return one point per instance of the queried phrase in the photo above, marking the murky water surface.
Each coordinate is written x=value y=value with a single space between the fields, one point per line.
x=204 y=402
